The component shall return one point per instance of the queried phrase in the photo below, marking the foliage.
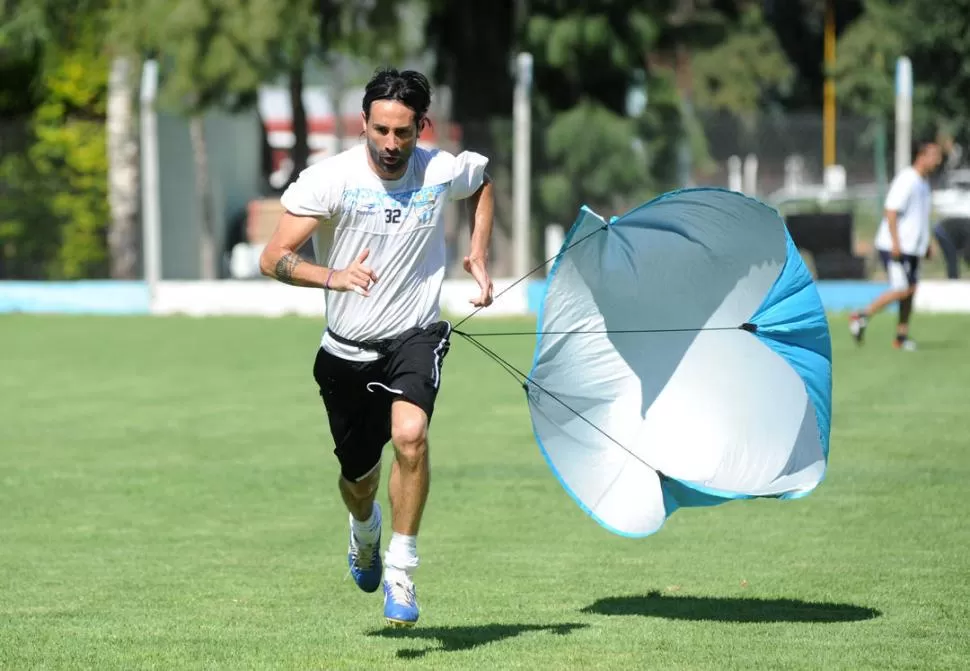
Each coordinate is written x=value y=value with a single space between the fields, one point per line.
x=591 y=60
x=473 y=44
x=588 y=62
x=866 y=61
x=799 y=26
x=600 y=146
x=936 y=38
x=55 y=213
x=31 y=26
x=213 y=53
x=217 y=53
x=589 y=52
x=27 y=29
x=371 y=31
x=737 y=74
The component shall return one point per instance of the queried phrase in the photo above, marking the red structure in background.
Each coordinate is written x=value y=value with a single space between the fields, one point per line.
x=275 y=115
x=322 y=139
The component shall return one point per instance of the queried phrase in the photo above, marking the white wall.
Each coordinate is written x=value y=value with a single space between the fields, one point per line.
x=274 y=299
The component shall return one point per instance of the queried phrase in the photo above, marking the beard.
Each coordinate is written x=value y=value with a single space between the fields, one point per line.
x=391 y=162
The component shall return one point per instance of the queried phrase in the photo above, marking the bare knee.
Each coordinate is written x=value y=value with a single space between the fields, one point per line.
x=409 y=433
x=364 y=488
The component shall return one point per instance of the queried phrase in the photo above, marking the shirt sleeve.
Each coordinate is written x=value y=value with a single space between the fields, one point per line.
x=468 y=175
x=315 y=193
x=899 y=192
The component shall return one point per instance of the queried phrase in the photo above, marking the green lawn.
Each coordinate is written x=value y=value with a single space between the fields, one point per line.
x=168 y=500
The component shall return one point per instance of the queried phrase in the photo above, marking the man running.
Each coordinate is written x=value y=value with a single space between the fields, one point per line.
x=379 y=363
x=902 y=240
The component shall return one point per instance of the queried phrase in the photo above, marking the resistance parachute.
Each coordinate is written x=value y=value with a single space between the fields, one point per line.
x=683 y=359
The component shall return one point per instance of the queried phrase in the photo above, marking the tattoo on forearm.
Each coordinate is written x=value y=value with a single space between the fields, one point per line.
x=285 y=267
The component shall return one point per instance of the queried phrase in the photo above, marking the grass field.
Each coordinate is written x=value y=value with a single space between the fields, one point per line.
x=168 y=500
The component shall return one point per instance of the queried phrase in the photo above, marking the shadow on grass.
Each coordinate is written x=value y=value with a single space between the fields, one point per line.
x=727 y=609
x=453 y=639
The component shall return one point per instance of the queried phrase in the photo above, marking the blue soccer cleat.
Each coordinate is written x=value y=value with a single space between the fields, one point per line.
x=365 y=563
x=400 y=602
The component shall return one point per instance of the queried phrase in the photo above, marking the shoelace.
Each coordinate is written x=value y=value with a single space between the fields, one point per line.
x=362 y=555
x=402 y=593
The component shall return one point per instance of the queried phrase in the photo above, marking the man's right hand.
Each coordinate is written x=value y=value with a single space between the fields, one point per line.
x=897 y=255
x=355 y=277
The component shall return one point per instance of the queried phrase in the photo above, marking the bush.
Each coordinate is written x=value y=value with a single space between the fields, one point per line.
x=54 y=215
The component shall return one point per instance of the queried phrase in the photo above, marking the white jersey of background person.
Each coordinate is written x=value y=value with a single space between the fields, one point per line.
x=910 y=195
x=400 y=221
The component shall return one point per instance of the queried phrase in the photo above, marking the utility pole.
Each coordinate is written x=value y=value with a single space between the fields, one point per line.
x=151 y=209
x=829 y=107
x=521 y=169
x=904 y=112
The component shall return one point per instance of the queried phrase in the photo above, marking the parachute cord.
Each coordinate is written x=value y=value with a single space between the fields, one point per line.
x=525 y=380
x=506 y=366
x=743 y=327
x=526 y=276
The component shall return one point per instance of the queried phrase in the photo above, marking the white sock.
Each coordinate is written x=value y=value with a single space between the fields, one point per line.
x=401 y=556
x=367 y=531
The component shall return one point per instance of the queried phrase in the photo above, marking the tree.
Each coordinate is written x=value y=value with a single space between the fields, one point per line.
x=214 y=54
x=799 y=26
x=217 y=53
x=741 y=72
x=36 y=34
x=473 y=45
x=612 y=89
x=123 y=172
x=599 y=54
x=54 y=216
x=577 y=143
x=936 y=38
x=352 y=33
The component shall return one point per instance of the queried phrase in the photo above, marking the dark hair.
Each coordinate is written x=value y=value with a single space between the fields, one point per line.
x=920 y=145
x=409 y=87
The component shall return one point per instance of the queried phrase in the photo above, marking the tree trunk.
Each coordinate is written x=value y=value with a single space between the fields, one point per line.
x=123 y=173
x=301 y=150
x=300 y=154
x=203 y=190
x=336 y=103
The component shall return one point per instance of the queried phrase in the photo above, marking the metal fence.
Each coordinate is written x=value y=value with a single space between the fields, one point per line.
x=791 y=145
x=760 y=156
x=775 y=148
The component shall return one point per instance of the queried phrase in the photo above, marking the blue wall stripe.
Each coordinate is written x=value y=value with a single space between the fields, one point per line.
x=118 y=297
x=107 y=297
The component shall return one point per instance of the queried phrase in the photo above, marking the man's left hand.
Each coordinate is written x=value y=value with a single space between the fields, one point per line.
x=476 y=267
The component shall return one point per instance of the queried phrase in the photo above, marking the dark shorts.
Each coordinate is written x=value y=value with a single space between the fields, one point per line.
x=902 y=274
x=358 y=395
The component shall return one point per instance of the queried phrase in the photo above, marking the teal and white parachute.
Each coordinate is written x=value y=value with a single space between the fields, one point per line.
x=683 y=359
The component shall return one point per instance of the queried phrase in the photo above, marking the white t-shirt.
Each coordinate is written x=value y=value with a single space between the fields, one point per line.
x=400 y=222
x=910 y=196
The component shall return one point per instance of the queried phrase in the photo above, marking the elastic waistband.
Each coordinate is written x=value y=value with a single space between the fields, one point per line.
x=379 y=346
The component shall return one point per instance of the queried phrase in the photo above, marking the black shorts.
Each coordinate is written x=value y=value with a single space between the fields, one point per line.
x=902 y=274
x=358 y=394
